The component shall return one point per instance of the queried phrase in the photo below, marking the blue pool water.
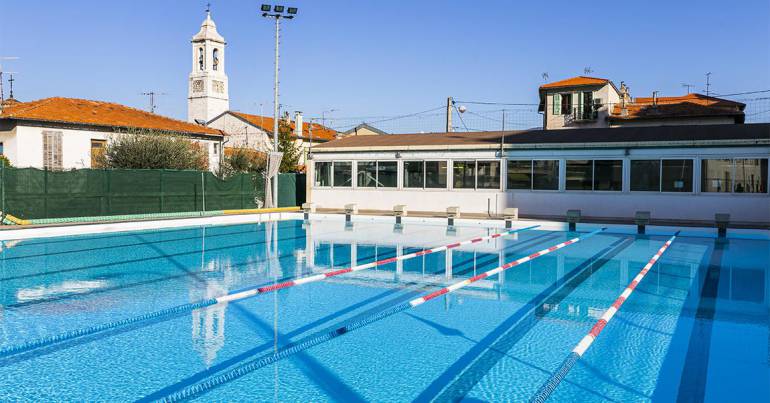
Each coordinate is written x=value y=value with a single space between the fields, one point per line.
x=696 y=328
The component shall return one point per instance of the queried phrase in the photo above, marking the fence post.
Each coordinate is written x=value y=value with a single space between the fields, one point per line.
x=109 y=192
x=240 y=192
x=45 y=194
x=161 y=189
x=2 y=183
x=203 y=192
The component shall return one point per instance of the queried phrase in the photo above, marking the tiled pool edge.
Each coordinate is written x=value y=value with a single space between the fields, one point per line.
x=83 y=229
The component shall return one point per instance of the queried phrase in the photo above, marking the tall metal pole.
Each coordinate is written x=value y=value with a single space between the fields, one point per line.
x=449 y=114
x=275 y=108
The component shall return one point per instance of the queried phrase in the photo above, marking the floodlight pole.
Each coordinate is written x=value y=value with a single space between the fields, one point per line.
x=277 y=14
x=274 y=199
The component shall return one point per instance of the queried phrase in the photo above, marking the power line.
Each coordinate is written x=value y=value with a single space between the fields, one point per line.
x=496 y=103
x=741 y=93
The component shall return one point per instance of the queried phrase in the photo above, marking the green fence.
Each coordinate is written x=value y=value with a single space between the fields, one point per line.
x=30 y=193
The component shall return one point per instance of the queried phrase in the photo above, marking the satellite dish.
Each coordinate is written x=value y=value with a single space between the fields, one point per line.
x=462 y=109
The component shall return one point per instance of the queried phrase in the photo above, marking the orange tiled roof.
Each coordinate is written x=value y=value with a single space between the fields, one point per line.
x=690 y=105
x=266 y=123
x=98 y=113
x=575 y=82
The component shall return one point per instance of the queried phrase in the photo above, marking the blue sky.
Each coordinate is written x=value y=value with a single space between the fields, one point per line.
x=369 y=58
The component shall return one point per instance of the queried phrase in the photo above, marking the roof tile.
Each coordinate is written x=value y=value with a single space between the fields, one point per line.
x=266 y=123
x=98 y=113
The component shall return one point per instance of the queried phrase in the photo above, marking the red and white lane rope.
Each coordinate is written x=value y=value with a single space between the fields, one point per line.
x=460 y=284
x=294 y=348
x=550 y=385
x=323 y=276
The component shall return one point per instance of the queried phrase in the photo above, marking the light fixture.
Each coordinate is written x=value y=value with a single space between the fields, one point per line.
x=278 y=9
x=292 y=10
x=265 y=7
x=398 y=154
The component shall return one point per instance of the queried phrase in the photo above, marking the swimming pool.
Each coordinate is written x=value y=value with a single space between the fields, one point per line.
x=695 y=329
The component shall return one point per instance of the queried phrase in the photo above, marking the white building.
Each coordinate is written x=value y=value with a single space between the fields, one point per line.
x=255 y=132
x=208 y=93
x=589 y=102
x=68 y=133
x=684 y=173
x=209 y=101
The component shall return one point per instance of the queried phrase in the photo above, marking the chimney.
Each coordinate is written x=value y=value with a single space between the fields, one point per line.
x=654 y=99
x=298 y=124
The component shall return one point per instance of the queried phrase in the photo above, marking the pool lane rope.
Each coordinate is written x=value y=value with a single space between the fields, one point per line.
x=293 y=348
x=550 y=385
x=249 y=292
x=324 y=276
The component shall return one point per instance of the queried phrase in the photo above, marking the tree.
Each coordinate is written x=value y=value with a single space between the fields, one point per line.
x=288 y=146
x=242 y=160
x=153 y=149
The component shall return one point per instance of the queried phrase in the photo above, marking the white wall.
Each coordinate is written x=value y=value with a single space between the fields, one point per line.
x=695 y=205
x=26 y=147
x=8 y=138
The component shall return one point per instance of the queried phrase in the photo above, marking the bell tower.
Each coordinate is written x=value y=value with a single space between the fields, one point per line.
x=207 y=87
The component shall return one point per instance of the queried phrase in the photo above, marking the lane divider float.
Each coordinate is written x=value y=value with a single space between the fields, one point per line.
x=248 y=292
x=293 y=348
x=550 y=385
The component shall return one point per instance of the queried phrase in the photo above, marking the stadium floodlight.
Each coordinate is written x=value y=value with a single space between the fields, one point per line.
x=278 y=9
x=292 y=10
x=266 y=7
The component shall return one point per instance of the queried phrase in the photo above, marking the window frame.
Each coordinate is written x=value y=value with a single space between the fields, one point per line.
x=695 y=166
x=531 y=174
x=353 y=174
x=331 y=173
x=733 y=173
x=376 y=175
x=424 y=162
x=767 y=181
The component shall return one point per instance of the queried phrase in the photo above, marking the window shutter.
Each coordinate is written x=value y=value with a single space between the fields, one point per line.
x=556 y=104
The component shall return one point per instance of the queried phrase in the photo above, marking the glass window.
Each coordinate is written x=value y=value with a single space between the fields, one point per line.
x=556 y=104
x=645 y=175
x=488 y=174
x=545 y=175
x=97 y=152
x=2 y=149
x=519 y=174
x=716 y=175
x=566 y=104
x=343 y=173
x=414 y=174
x=323 y=174
x=751 y=175
x=435 y=174
x=367 y=174
x=464 y=174
x=608 y=175
x=387 y=174
x=676 y=175
x=580 y=175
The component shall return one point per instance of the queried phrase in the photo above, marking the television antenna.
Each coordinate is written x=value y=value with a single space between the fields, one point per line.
x=588 y=70
x=688 y=86
x=708 y=83
x=2 y=97
x=545 y=76
x=152 y=95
